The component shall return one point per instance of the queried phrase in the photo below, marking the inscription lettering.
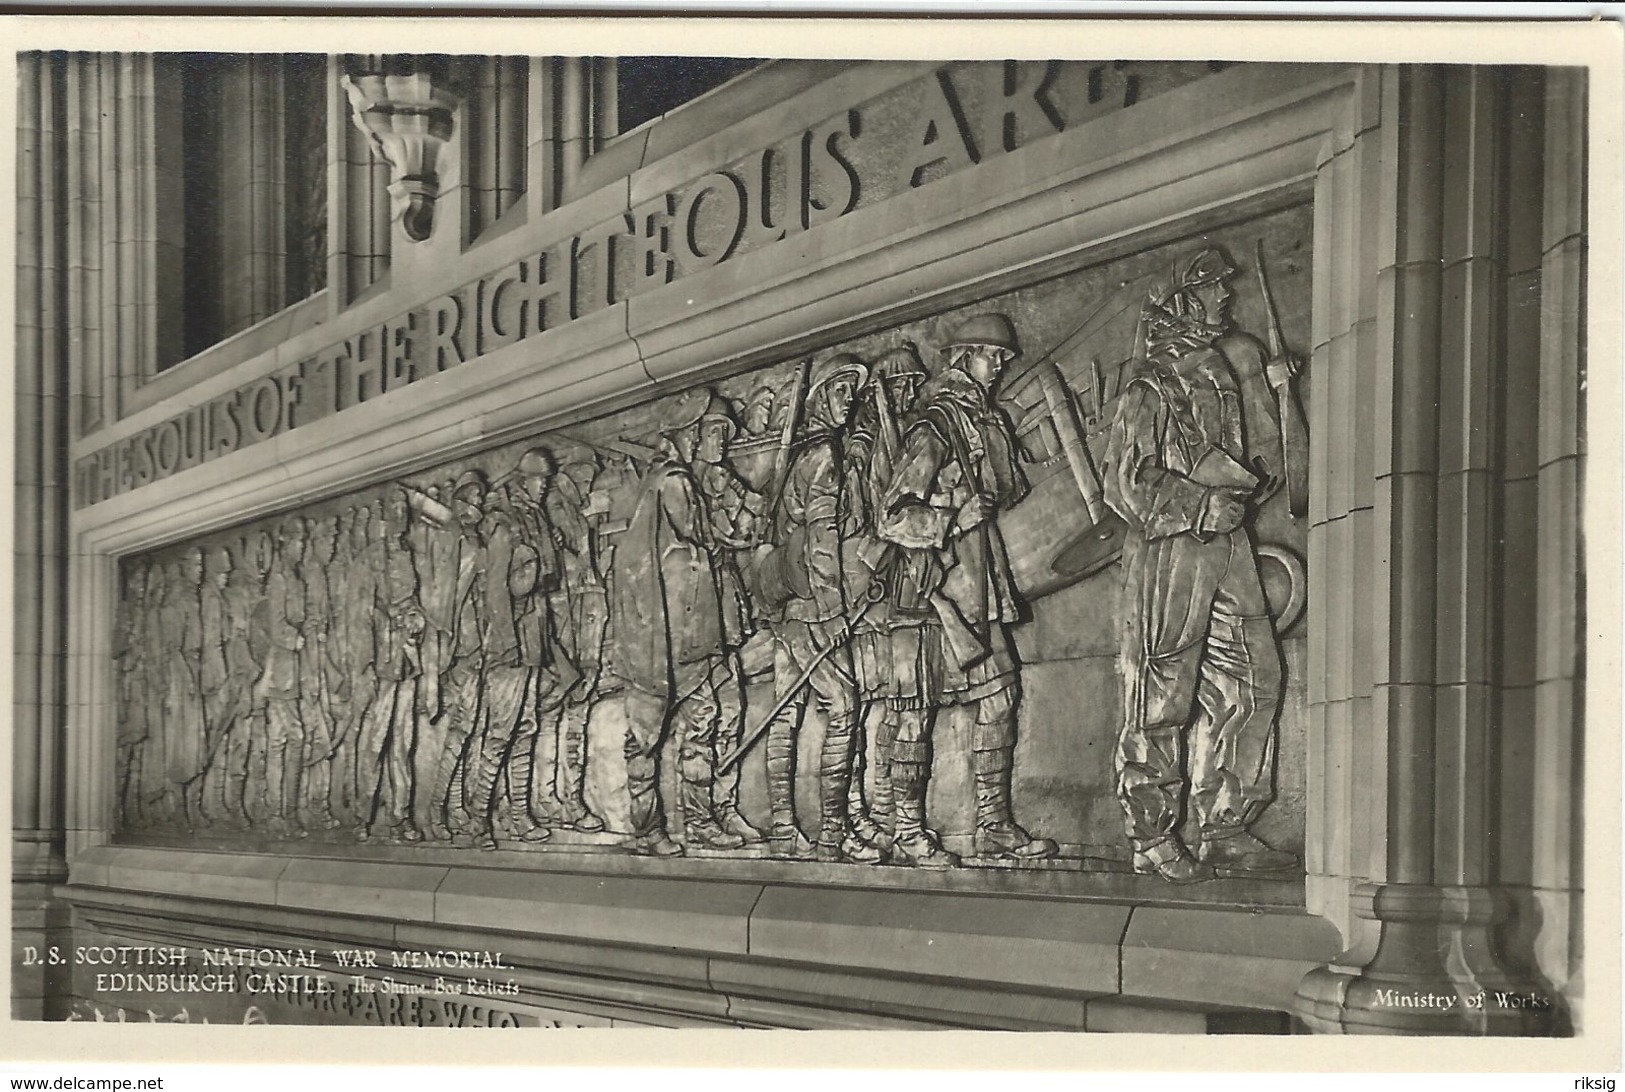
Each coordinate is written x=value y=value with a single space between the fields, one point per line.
x=795 y=184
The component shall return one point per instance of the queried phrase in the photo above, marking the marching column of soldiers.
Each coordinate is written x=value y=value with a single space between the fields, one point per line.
x=428 y=665
x=424 y=666
x=298 y=679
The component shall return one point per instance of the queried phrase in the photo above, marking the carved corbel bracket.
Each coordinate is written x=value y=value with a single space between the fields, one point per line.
x=406 y=111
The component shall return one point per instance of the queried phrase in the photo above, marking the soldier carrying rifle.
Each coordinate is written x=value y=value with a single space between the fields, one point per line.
x=953 y=595
x=804 y=584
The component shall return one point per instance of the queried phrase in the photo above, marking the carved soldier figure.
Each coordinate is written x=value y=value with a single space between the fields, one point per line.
x=131 y=653
x=360 y=605
x=277 y=690
x=1199 y=652
x=324 y=686
x=736 y=516
x=873 y=447
x=160 y=634
x=954 y=595
x=434 y=553
x=579 y=609
x=183 y=730
x=679 y=619
x=242 y=591
x=223 y=689
x=342 y=645
x=803 y=584
x=464 y=695
x=531 y=671
x=391 y=726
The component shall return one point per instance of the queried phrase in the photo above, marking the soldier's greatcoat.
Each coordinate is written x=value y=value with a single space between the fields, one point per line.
x=960 y=444
x=669 y=606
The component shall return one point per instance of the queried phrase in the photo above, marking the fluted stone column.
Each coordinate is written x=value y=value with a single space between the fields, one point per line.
x=572 y=126
x=253 y=193
x=494 y=148
x=1418 y=721
x=358 y=216
x=40 y=524
x=572 y=113
x=606 y=118
x=1554 y=863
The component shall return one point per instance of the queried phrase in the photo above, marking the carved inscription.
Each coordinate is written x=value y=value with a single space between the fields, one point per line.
x=960 y=116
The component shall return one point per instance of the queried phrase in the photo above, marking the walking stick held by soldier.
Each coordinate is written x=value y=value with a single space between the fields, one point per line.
x=874 y=594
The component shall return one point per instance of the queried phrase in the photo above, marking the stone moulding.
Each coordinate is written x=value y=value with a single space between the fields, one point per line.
x=688 y=952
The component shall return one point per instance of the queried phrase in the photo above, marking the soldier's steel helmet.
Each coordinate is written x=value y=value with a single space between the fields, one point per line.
x=1205 y=266
x=898 y=363
x=718 y=408
x=533 y=462
x=695 y=406
x=217 y=560
x=839 y=366
x=471 y=478
x=537 y=462
x=988 y=329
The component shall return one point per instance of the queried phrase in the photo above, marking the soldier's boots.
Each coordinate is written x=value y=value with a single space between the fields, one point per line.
x=1008 y=839
x=321 y=816
x=1237 y=852
x=846 y=847
x=871 y=821
x=579 y=817
x=997 y=832
x=654 y=844
x=404 y=830
x=918 y=849
x=571 y=814
x=871 y=833
x=788 y=843
x=704 y=832
x=915 y=846
x=1173 y=862
x=464 y=828
x=730 y=820
x=522 y=828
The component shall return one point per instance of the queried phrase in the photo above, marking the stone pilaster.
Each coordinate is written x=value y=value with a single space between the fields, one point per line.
x=605 y=101
x=130 y=187
x=493 y=139
x=253 y=193
x=1555 y=875
x=572 y=122
x=572 y=114
x=358 y=215
x=40 y=524
x=1426 y=871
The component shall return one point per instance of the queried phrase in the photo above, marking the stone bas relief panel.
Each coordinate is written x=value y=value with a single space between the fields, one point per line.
x=1018 y=585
